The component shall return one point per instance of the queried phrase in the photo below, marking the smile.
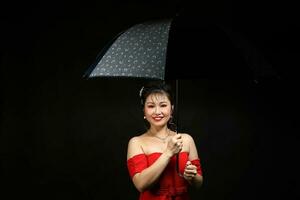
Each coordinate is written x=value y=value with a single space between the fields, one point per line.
x=157 y=118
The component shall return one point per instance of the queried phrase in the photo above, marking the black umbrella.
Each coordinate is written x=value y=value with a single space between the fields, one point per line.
x=172 y=49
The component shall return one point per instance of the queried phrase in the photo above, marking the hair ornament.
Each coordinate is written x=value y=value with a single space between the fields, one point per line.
x=141 y=91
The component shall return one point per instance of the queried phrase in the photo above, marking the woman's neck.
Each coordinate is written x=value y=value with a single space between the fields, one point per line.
x=159 y=131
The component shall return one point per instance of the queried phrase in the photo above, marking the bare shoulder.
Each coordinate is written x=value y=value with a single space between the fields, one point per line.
x=135 y=146
x=134 y=140
x=193 y=154
x=137 y=140
x=187 y=137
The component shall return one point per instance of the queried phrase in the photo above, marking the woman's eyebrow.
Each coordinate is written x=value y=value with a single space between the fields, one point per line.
x=153 y=103
x=149 y=102
x=163 y=102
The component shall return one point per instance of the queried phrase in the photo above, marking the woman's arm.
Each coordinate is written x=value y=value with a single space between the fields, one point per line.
x=190 y=172
x=150 y=175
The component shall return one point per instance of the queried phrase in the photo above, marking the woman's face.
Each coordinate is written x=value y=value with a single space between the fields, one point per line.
x=158 y=109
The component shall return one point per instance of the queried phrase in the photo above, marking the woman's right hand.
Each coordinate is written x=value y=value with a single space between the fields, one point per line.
x=174 y=145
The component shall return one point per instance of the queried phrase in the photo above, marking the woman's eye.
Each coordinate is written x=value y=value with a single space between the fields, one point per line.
x=150 y=106
x=163 y=105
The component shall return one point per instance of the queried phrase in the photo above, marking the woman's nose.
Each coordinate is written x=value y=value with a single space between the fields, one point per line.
x=157 y=110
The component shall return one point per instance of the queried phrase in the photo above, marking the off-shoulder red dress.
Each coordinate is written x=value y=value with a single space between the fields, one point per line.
x=170 y=184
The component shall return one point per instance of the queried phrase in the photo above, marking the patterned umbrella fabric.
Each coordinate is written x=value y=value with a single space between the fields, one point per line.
x=138 y=52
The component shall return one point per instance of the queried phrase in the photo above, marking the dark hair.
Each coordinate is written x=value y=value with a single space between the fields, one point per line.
x=160 y=87
x=156 y=87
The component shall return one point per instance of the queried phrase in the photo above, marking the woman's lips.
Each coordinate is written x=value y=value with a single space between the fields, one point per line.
x=157 y=118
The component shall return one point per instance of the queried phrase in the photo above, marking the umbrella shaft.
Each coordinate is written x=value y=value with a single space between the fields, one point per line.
x=176 y=105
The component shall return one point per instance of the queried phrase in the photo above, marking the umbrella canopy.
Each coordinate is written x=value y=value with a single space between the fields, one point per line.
x=138 y=52
x=180 y=48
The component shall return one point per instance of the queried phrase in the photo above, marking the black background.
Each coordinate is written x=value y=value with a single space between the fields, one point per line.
x=65 y=137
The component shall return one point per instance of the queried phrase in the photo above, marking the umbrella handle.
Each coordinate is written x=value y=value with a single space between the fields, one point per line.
x=177 y=126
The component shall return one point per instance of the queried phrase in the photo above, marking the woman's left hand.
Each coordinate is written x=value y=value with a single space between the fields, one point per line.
x=190 y=171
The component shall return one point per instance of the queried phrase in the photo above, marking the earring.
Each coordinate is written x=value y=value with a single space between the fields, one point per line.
x=144 y=117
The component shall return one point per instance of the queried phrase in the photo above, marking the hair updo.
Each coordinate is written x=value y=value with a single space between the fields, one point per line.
x=156 y=87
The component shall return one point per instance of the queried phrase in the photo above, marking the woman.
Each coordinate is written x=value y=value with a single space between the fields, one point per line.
x=151 y=156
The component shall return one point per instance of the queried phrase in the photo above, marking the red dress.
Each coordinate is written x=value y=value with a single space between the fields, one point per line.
x=170 y=184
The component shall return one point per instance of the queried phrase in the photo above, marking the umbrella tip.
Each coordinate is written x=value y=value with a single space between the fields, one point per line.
x=85 y=76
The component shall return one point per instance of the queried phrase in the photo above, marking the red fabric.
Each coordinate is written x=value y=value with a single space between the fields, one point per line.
x=170 y=184
x=136 y=164
x=196 y=162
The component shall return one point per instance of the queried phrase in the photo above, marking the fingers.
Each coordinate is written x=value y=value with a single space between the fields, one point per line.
x=190 y=175
x=175 y=145
x=177 y=140
x=190 y=170
x=177 y=136
x=179 y=146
